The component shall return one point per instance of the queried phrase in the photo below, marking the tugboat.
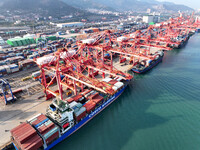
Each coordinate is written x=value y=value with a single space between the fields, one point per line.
x=146 y=65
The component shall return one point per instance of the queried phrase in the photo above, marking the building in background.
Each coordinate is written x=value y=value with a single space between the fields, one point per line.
x=148 y=10
x=151 y=18
x=148 y=19
x=2 y=42
x=70 y=24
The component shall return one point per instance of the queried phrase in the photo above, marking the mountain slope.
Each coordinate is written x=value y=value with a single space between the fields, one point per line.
x=43 y=7
x=141 y=5
x=87 y=4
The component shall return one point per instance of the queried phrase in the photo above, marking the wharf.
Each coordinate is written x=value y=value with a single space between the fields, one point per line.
x=11 y=115
x=125 y=67
x=26 y=106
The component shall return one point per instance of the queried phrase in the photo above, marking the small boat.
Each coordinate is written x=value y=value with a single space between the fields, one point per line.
x=146 y=65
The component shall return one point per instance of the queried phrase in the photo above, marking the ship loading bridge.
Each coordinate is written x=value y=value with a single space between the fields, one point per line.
x=77 y=71
x=80 y=69
x=125 y=48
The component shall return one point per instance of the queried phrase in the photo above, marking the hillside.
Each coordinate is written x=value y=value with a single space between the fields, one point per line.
x=88 y=4
x=141 y=5
x=54 y=8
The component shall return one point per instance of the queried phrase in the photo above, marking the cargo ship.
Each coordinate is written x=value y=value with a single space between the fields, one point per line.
x=146 y=65
x=63 y=118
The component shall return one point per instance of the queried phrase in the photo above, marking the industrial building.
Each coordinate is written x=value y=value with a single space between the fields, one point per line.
x=148 y=19
x=151 y=18
x=70 y=24
x=2 y=42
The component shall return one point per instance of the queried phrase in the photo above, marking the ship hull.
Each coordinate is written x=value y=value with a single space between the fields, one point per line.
x=86 y=119
x=147 y=68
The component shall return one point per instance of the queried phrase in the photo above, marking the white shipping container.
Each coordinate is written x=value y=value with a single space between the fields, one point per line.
x=72 y=104
x=114 y=88
x=157 y=24
x=81 y=110
x=88 y=41
x=119 y=84
x=7 y=68
x=14 y=68
x=132 y=35
x=2 y=69
x=121 y=39
x=107 y=79
x=67 y=54
x=36 y=74
x=45 y=60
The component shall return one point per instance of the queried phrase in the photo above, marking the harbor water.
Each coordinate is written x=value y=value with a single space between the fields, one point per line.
x=159 y=110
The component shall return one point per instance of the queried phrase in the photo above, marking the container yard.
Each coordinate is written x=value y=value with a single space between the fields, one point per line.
x=61 y=84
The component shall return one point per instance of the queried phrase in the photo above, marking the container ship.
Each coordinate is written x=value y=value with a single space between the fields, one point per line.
x=146 y=65
x=63 y=118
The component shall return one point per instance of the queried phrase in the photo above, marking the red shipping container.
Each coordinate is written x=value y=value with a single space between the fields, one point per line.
x=97 y=99
x=18 y=127
x=122 y=60
x=39 y=119
x=69 y=100
x=78 y=118
x=51 y=138
x=90 y=106
x=47 y=129
x=32 y=144
x=27 y=134
x=92 y=96
x=77 y=97
x=19 y=133
x=26 y=137
x=112 y=82
x=86 y=92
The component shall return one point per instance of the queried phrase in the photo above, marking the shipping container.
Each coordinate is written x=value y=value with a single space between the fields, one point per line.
x=8 y=70
x=26 y=137
x=80 y=114
x=2 y=70
x=90 y=106
x=112 y=82
x=14 y=68
x=45 y=127
x=25 y=64
x=97 y=99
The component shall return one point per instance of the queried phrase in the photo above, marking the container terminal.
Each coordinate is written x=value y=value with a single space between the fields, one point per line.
x=72 y=81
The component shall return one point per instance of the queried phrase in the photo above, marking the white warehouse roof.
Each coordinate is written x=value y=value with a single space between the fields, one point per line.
x=70 y=24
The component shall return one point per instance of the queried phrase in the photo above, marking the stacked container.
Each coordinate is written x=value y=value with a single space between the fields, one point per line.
x=79 y=111
x=75 y=106
x=2 y=71
x=25 y=64
x=36 y=75
x=7 y=68
x=115 y=82
x=14 y=68
x=90 y=106
x=45 y=127
x=25 y=137
x=96 y=98
x=78 y=98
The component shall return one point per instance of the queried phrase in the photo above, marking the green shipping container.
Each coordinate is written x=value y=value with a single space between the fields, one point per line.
x=32 y=40
x=52 y=38
x=38 y=39
x=27 y=41
x=19 y=43
x=12 y=42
